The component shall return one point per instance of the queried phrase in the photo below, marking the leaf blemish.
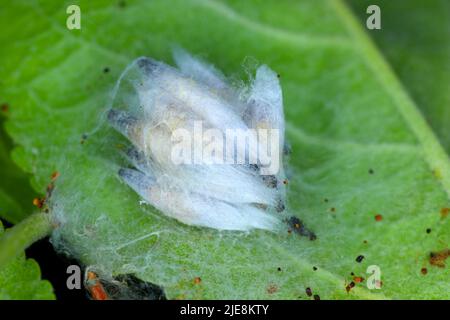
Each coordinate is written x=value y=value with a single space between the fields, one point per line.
x=438 y=258
x=272 y=289
x=4 y=107
x=308 y=292
x=299 y=227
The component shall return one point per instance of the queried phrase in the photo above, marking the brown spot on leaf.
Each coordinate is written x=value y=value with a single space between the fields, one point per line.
x=54 y=175
x=197 y=280
x=424 y=271
x=445 y=212
x=438 y=258
x=4 y=107
x=378 y=217
x=350 y=286
x=272 y=289
x=308 y=292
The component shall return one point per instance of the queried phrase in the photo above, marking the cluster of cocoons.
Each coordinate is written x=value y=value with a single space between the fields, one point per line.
x=152 y=100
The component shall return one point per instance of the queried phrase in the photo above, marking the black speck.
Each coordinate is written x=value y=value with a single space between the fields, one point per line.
x=278 y=76
x=359 y=258
x=371 y=171
x=325 y=200
x=316 y=297
x=279 y=269
x=315 y=268
x=428 y=230
x=308 y=292
x=105 y=70
x=299 y=227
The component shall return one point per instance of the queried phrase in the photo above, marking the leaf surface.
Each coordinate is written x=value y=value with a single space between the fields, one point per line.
x=360 y=148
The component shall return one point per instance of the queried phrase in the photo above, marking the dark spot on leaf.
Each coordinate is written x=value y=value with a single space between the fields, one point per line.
x=378 y=217
x=333 y=209
x=4 y=107
x=424 y=271
x=350 y=286
x=122 y=4
x=444 y=212
x=359 y=258
x=371 y=171
x=358 y=279
x=308 y=292
x=299 y=227
x=105 y=70
x=325 y=200
x=279 y=269
x=428 y=230
x=84 y=137
x=315 y=268
x=438 y=258
x=316 y=297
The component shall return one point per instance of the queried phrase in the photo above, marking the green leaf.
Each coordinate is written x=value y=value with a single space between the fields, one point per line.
x=416 y=41
x=16 y=194
x=360 y=148
x=20 y=279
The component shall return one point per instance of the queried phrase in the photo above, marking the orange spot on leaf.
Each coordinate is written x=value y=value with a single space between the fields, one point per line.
x=197 y=280
x=445 y=212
